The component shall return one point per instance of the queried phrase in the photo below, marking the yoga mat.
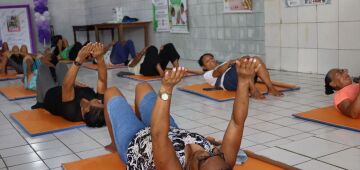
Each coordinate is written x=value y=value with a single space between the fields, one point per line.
x=149 y=78
x=330 y=116
x=11 y=75
x=113 y=162
x=95 y=67
x=16 y=92
x=40 y=122
x=223 y=95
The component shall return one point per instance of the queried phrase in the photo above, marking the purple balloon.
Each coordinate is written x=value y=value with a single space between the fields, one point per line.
x=41 y=8
x=43 y=27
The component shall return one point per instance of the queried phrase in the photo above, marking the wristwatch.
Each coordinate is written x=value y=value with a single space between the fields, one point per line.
x=164 y=96
x=77 y=63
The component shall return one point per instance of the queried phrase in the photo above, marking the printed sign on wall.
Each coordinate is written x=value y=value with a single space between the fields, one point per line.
x=236 y=6
x=16 y=26
x=178 y=16
x=294 y=3
x=161 y=15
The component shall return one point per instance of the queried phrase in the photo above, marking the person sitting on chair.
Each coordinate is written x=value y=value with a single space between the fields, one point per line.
x=63 y=97
x=347 y=96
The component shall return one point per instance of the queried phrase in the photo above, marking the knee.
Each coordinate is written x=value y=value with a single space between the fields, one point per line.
x=111 y=92
x=130 y=42
x=141 y=87
x=168 y=45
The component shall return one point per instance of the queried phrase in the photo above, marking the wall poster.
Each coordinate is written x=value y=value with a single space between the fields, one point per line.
x=178 y=12
x=237 y=6
x=295 y=3
x=161 y=21
x=16 y=26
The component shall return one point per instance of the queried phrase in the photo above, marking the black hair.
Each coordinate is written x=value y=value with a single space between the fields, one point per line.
x=182 y=5
x=95 y=117
x=200 y=61
x=328 y=89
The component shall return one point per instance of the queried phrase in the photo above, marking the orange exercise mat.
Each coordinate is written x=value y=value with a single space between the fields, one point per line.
x=11 y=75
x=330 y=116
x=17 y=92
x=150 y=78
x=95 y=67
x=113 y=162
x=223 y=95
x=40 y=122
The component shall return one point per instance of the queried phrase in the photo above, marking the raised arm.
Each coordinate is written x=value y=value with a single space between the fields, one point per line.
x=68 y=93
x=164 y=152
x=222 y=68
x=245 y=68
x=98 y=53
x=351 y=109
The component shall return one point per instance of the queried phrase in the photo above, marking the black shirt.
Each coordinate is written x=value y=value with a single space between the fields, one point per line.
x=70 y=110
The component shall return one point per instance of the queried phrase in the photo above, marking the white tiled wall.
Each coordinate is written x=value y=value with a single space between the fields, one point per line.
x=65 y=14
x=313 y=39
x=225 y=35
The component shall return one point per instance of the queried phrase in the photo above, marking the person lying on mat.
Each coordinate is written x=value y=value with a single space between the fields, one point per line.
x=151 y=62
x=224 y=75
x=61 y=50
x=347 y=96
x=31 y=65
x=165 y=145
x=14 y=59
x=117 y=53
x=63 y=97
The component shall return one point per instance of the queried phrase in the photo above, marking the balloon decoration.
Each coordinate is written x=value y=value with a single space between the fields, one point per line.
x=42 y=20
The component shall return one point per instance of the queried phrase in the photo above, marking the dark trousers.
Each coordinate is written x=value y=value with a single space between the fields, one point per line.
x=153 y=58
x=120 y=53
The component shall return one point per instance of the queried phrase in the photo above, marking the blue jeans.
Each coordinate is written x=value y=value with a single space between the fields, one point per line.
x=120 y=53
x=124 y=122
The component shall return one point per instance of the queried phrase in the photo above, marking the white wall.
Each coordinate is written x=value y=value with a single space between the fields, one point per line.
x=313 y=39
x=65 y=14
x=225 y=35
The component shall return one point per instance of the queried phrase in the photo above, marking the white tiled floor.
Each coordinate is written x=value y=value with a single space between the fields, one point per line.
x=270 y=129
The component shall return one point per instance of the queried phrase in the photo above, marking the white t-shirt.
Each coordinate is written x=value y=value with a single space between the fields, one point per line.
x=208 y=76
x=136 y=69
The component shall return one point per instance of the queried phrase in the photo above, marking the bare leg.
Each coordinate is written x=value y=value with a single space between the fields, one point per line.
x=140 y=91
x=254 y=92
x=28 y=61
x=3 y=65
x=265 y=77
x=110 y=93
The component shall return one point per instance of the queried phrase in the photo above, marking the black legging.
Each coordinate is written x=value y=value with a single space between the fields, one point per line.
x=152 y=58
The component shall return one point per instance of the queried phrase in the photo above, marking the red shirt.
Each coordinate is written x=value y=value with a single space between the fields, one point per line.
x=350 y=92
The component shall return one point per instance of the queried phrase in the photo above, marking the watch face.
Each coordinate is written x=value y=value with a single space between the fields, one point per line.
x=164 y=96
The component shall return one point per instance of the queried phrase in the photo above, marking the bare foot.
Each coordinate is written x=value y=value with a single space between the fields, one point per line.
x=274 y=92
x=111 y=147
x=257 y=95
